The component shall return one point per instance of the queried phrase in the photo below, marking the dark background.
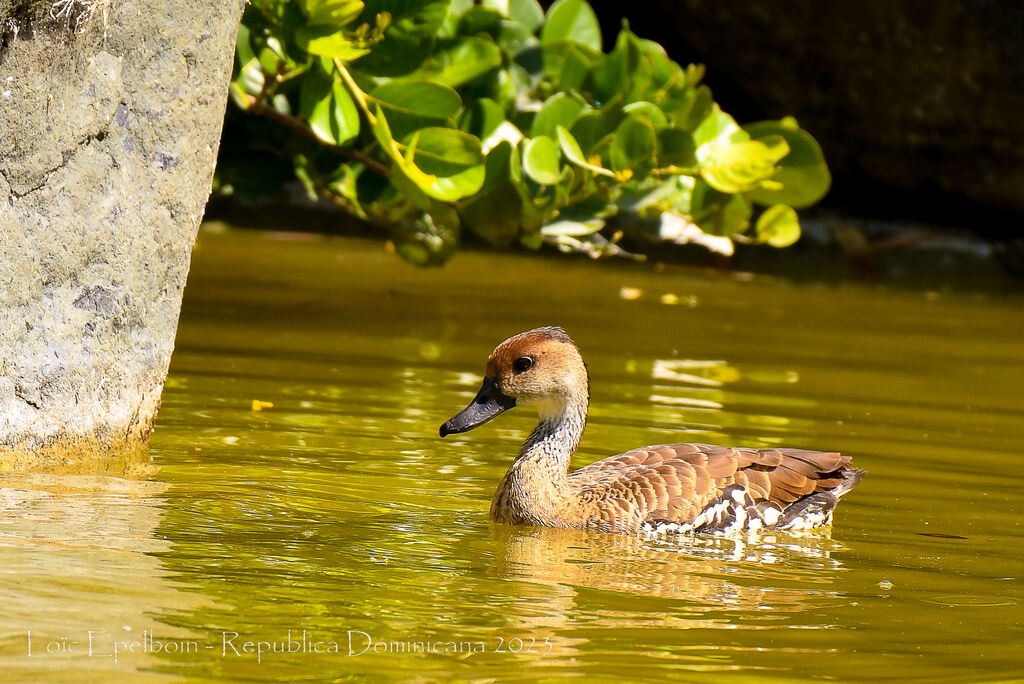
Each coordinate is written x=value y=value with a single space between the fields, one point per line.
x=918 y=106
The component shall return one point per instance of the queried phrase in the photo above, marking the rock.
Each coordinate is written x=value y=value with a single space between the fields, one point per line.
x=110 y=118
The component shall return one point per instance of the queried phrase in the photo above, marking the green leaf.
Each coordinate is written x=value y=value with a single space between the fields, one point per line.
x=595 y=127
x=542 y=162
x=317 y=106
x=395 y=58
x=663 y=70
x=495 y=212
x=464 y=60
x=243 y=46
x=498 y=166
x=452 y=161
x=653 y=195
x=802 y=173
x=717 y=213
x=344 y=115
x=676 y=148
x=567 y=64
x=634 y=144
x=481 y=117
x=411 y=104
x=499 y=6
x=609 y=76
x=514 y=38
x=572 y=20
x=718 y=127
x=444 y=151
x=336 y=13
x=250 y=77
x=571 y=150
x=778 y=226
x=738 y=166
x=582 y=218
x=649 y=110
x=405 y=176
x=417 y=97
x=327 y=41
x=626 y=74
x=480 y=20
x=411 y=20
x=695 y=106
x=561 y=109
x=526 y=12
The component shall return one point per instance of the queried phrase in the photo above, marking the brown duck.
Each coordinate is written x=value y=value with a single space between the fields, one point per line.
x=652 y=490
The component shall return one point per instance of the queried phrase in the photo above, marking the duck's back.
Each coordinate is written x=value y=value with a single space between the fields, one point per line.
x=699 y=487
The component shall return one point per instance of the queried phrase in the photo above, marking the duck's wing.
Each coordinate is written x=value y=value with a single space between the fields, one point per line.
x=676 y=483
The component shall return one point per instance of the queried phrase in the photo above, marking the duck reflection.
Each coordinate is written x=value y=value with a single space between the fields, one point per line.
x=789 y=573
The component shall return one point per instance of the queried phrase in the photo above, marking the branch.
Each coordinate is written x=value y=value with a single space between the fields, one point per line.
x=299 y=126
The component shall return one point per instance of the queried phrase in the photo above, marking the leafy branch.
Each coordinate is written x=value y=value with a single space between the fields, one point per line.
x=501 y=119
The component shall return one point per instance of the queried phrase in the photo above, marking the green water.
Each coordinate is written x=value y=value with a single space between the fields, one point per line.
x=340 y=512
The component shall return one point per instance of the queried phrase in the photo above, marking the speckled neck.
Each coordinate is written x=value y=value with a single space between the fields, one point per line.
x=536 y=489
x=556 y=437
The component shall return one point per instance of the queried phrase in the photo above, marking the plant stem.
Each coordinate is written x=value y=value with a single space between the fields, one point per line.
x=299 y=126
x=357 y=92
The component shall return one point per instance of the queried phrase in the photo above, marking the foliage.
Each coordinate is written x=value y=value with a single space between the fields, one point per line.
x=431 y=117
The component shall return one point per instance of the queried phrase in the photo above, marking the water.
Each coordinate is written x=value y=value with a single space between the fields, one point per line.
x=337 y=512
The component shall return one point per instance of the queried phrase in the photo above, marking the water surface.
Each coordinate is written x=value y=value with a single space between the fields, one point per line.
x=336 y=518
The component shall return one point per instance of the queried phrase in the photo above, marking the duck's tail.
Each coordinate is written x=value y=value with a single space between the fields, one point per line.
x=816 y=509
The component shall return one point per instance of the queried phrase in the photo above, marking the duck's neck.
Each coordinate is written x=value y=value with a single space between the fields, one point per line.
x=553 y=442
x=536 y=490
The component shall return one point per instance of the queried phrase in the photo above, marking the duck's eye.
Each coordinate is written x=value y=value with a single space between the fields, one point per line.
x=522 y=364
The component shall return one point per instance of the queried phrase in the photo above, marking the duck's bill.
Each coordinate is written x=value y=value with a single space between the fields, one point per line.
x=488 y=403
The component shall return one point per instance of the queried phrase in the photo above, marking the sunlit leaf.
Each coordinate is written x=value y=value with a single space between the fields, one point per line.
x=250 y=77
x=738 y=166
x=542 y=161
x=572 y=20
x=316 y=103
x=526 y=12
x=335 y=13
x=327 y=41
x=344 y=115
x=778 y=226
x=571 y=150
x=803 y=174
x=718 y=127
x=453 y=161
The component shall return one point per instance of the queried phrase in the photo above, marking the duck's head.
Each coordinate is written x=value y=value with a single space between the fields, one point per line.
x=540 y=367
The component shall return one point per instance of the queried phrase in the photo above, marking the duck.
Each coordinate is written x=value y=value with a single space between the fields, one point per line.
x=650 y=491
